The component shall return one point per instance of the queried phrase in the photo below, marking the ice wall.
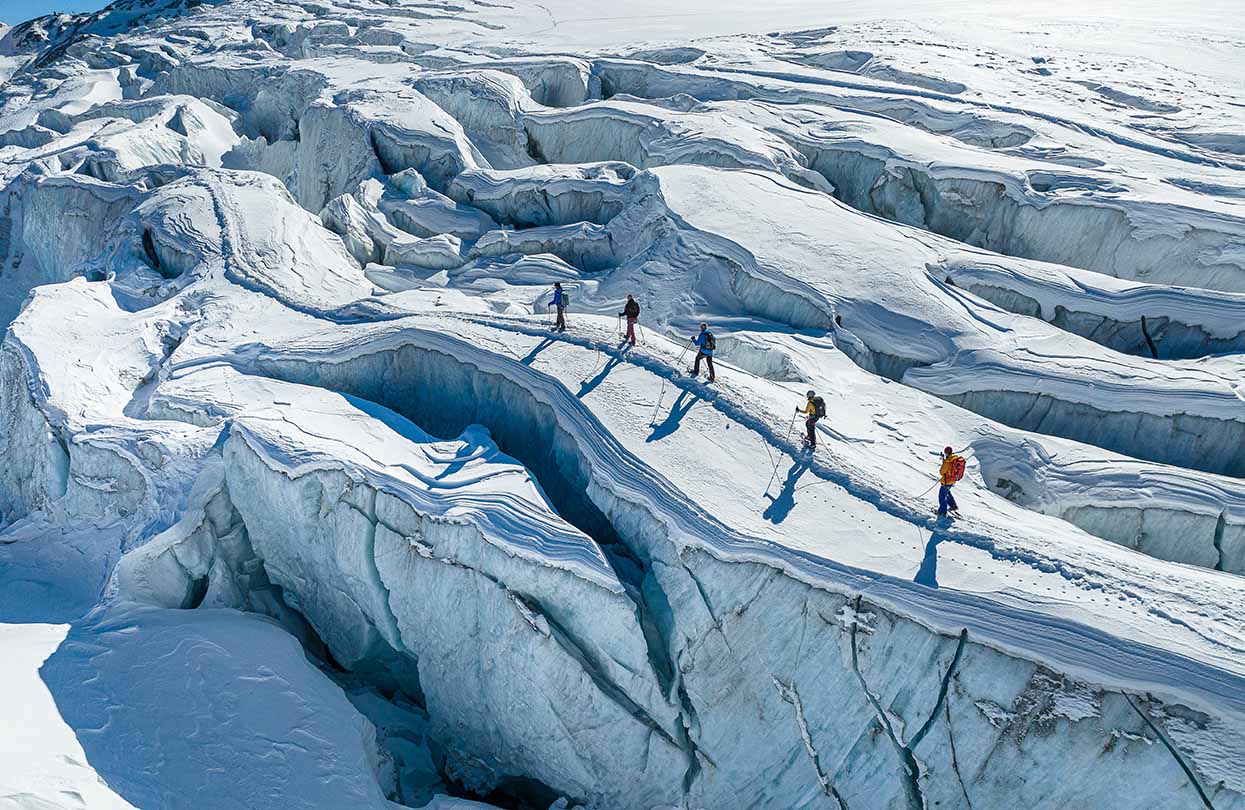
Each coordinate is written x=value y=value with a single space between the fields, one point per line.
x=741 y=693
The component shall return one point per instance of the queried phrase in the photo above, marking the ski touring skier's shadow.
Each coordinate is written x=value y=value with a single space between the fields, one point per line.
x=782 y=503
x=927 y=574
x=677 y=411
x=586 y=386
x=537 y=349
x=465 y=454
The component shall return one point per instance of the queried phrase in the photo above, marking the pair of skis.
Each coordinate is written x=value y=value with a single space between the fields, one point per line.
x=622 y=332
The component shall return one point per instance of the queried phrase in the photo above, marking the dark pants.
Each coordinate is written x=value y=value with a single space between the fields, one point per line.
x=561 y=324
x=811 y=424
x=631 y=330
x=946 y=500
x=708 y=358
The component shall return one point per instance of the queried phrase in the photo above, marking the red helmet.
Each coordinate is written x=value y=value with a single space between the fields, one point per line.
x=946 y=451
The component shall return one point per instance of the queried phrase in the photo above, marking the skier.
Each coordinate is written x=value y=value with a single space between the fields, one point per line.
x=814 y=409
x=559 y=301
x=951 y=471
x=632 y=313
x=706 y=343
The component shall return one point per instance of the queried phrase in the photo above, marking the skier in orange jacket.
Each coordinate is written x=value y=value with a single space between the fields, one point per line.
x=952 y=470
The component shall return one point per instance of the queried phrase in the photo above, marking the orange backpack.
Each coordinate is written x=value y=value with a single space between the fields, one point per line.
x=957 y=468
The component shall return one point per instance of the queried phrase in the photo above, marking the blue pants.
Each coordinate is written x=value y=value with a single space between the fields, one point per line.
x=946 y=500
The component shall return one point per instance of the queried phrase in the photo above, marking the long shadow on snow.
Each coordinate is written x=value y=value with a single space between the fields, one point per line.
x=678 y=410
x=782 y=503
x=927 y=574
x=537 y=349
x=588 y=386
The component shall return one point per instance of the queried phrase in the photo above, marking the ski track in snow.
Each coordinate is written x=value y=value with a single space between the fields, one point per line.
x=301 y=500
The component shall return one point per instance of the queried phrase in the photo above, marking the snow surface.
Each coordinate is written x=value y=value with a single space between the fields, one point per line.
x=302 y=502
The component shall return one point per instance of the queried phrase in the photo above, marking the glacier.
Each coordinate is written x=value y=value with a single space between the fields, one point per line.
x=303 y=502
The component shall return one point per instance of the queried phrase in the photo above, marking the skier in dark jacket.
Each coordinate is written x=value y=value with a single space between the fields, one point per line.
x=705 y=343
x=814 y=409
x=632 y=313
x=559 y=302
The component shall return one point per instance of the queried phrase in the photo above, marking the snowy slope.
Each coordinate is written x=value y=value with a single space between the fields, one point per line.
x=302 y=502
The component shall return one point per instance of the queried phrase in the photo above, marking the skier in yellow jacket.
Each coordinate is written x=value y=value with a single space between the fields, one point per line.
x=814 y=409
x=952 y=470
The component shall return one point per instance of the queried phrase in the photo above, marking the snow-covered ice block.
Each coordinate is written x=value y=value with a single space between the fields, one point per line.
x=172 y=706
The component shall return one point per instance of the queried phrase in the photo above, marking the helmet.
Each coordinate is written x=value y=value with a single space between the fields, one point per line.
x=946 y=451
x=812 y=394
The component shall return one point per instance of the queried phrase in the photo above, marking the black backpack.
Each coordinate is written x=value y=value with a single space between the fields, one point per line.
x=710 y=342
x=819 y=407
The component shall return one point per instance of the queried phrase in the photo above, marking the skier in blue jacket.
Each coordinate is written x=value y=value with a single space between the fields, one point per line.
x=705 y=344
x=559 y=302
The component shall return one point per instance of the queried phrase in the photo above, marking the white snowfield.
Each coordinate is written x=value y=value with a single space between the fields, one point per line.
x=302 y=502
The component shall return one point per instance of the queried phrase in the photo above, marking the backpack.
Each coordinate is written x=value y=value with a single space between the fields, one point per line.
x=710 y=342
x=819 y=407
x=957 y=468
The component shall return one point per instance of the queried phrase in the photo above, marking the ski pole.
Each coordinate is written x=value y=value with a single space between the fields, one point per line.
x=595 y=364
x=660 y=397
x=785 y=436
x=664 y=380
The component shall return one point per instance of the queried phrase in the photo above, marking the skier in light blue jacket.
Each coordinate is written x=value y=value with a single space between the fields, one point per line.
x=705 y=343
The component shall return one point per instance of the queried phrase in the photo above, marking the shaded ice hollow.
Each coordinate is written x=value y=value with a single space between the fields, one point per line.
x=301 y=502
